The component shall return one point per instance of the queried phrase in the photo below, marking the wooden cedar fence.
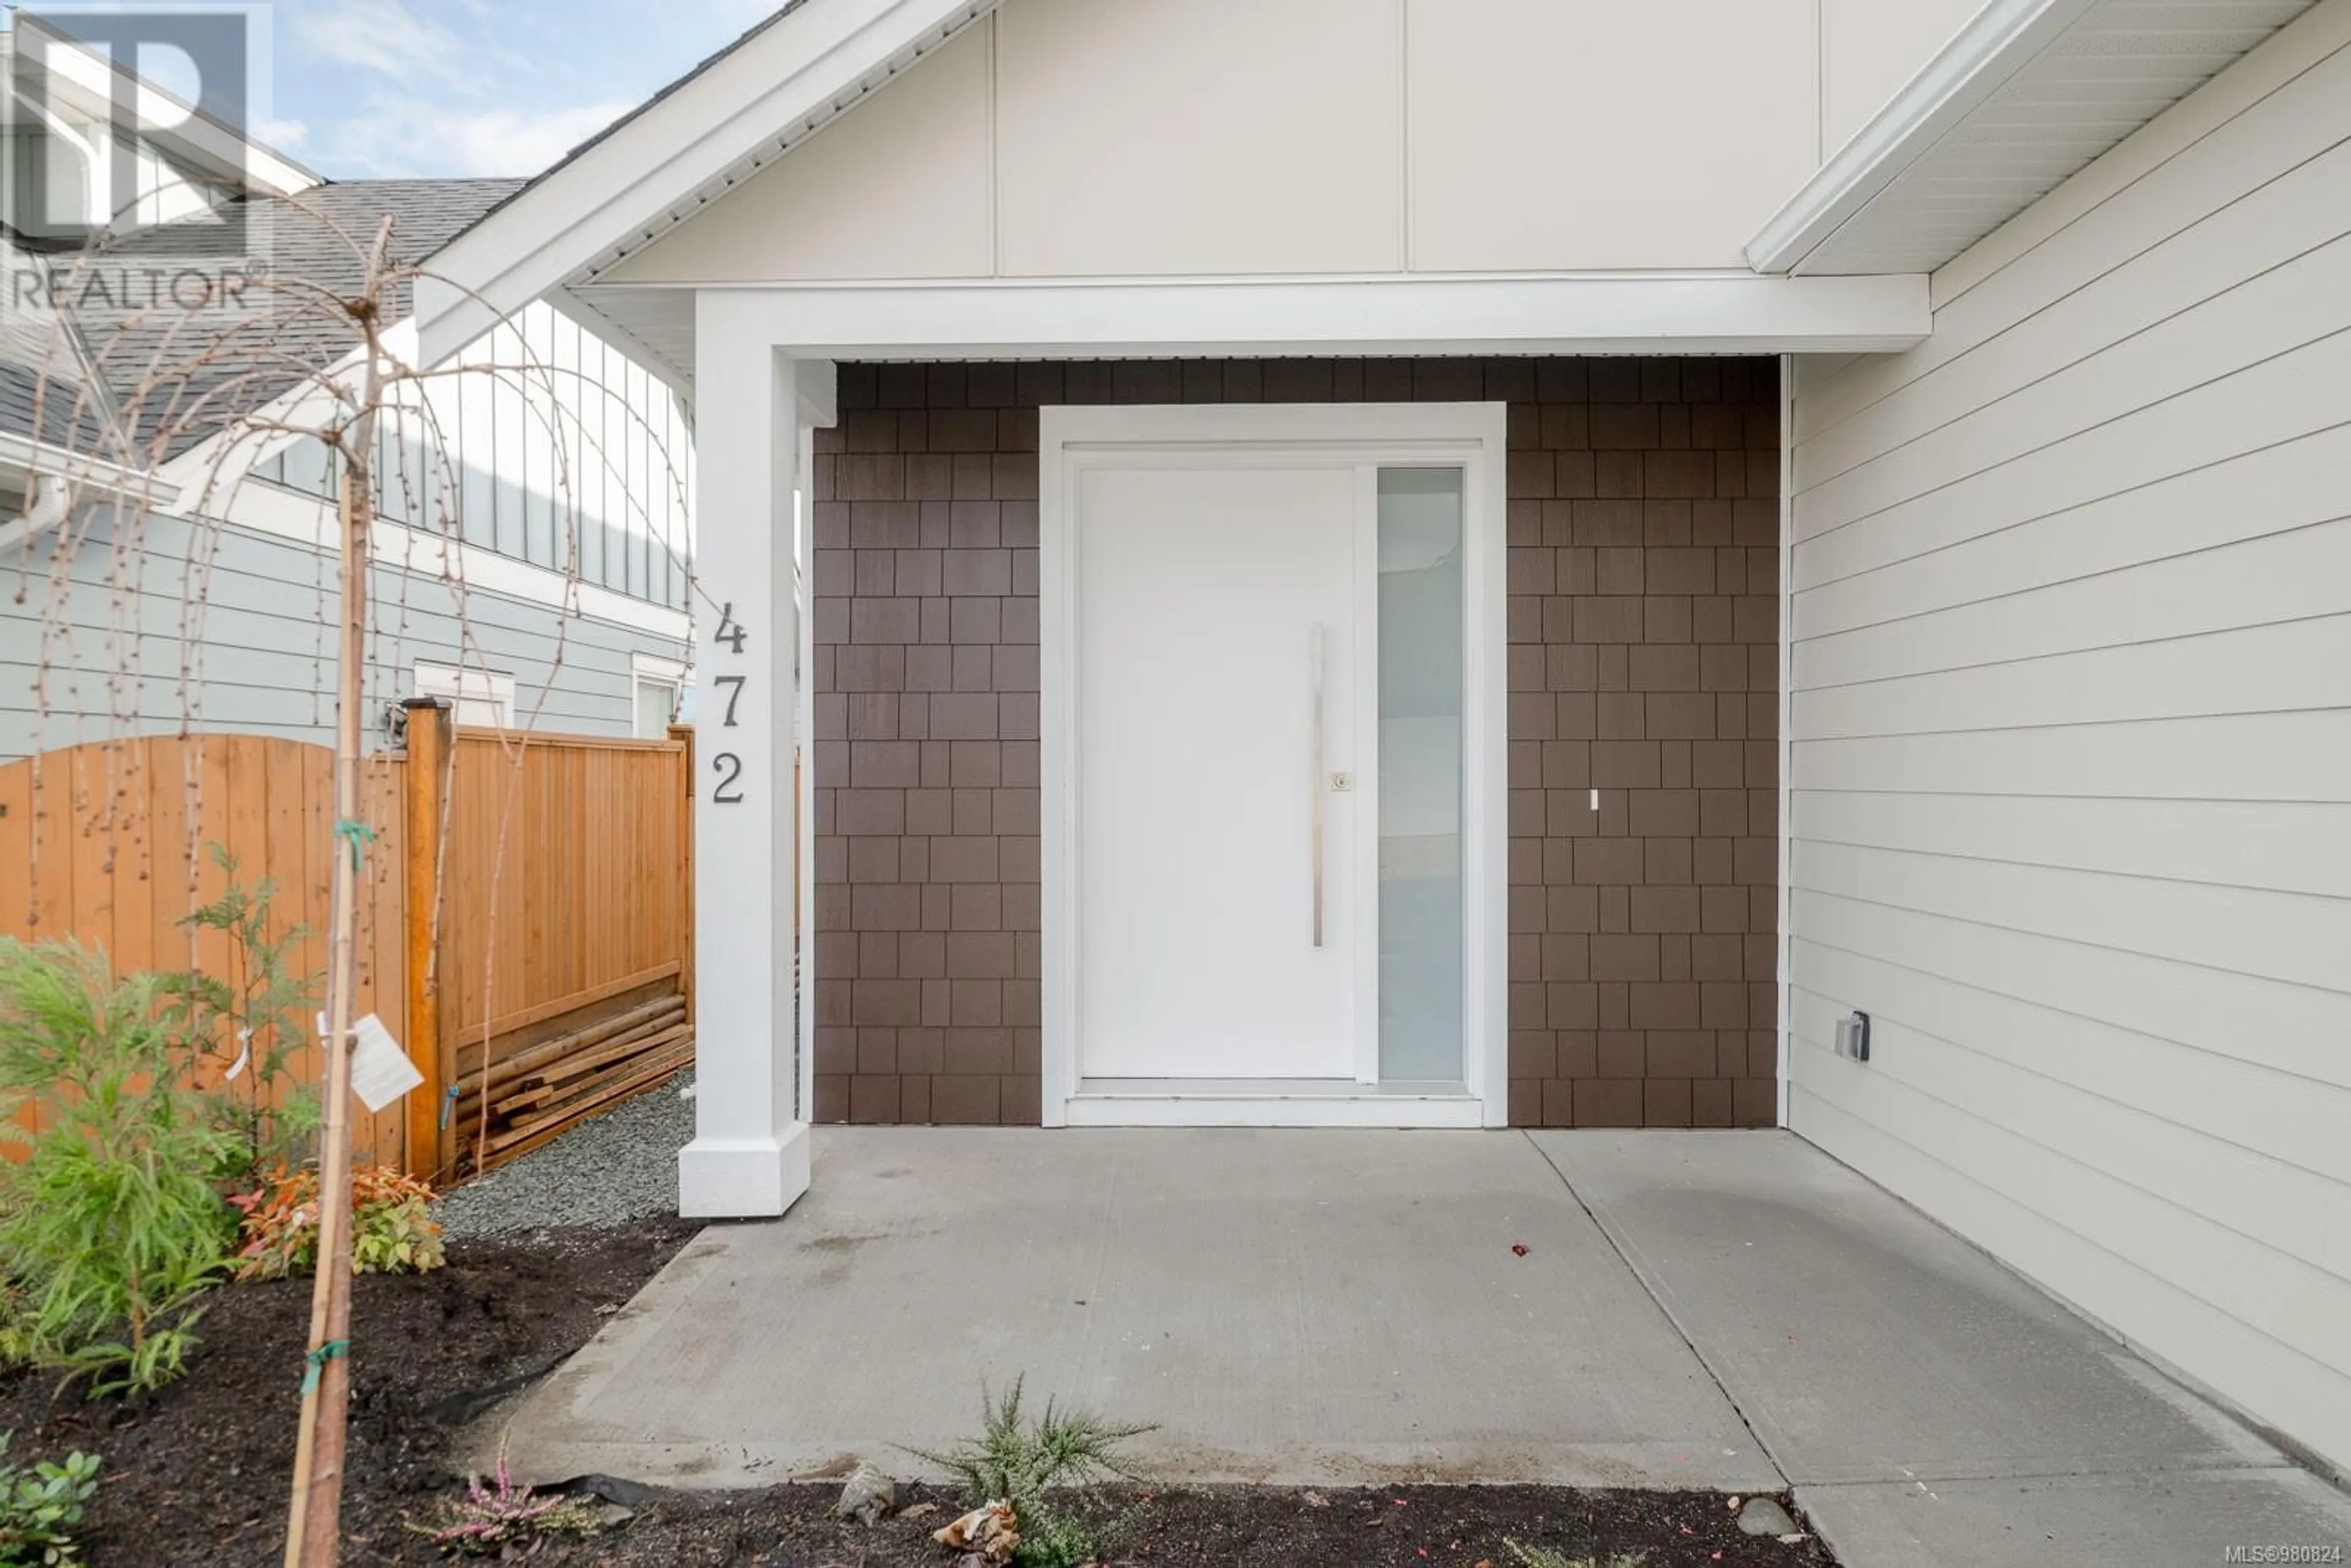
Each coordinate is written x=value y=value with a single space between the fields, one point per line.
x=527 y=904
x=565 y=949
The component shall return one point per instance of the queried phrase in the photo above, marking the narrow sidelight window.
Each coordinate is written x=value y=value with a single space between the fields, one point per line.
x=1420 y=764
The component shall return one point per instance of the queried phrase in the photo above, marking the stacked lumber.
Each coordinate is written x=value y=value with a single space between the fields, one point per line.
x=536 y=1093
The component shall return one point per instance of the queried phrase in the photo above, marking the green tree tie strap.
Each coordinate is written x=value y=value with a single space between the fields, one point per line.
x=315 y=1362
x=359 y=836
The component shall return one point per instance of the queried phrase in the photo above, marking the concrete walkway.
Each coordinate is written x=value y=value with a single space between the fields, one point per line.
x=1730 y=1311
x=1928 y=1406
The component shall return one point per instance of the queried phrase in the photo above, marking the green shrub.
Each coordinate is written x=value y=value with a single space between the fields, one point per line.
x=111 y=1227
x=250 y=1019
x=40 y=1509
x=1026 y=1461
x=393 y=1228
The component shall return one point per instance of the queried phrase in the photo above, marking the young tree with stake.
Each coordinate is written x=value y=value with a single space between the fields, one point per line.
x=313 y=1514
x=219 y=383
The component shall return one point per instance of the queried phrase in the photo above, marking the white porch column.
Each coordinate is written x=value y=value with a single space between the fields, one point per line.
x=750 y=1156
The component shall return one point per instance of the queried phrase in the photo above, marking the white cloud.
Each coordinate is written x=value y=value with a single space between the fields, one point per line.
x=477 y=86
x=388 y=39
x=388 y=139
x=285 y=135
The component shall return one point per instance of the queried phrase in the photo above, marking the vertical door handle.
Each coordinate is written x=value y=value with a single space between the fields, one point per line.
x=1314 y=779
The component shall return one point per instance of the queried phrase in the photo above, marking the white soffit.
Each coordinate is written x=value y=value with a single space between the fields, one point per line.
x=1729 y=313
x=2028 y=94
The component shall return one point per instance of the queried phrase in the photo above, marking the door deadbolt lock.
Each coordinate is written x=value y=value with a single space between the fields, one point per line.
x=1340 y=783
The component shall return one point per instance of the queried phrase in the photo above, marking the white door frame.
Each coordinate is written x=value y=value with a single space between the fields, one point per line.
x=1472 y=435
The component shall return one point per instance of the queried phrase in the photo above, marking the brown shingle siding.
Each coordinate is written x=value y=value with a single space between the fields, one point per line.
x=1642 y=616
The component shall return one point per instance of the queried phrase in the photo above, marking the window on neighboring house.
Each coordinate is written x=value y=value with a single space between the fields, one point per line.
x=660 y=686
x=480 y=697
x=586 y=469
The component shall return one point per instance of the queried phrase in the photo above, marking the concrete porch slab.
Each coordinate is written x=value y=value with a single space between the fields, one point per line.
x=1865 y=1342
x=2042 y=1522
x=1931 y=1407
x=1302 y=1307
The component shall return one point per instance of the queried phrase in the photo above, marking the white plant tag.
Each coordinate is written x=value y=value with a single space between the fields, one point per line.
x=381 y=1071
x=244 y=1056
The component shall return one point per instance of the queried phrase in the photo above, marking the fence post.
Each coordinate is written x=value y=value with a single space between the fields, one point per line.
x=429 y=756
x=683 y=735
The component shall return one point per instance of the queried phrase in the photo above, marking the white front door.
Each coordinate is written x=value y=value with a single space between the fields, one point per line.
x=1217 y=659
x=1272 y=773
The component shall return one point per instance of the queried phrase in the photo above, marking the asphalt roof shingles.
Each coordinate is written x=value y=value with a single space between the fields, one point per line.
x=192 y=325
x=47 y=392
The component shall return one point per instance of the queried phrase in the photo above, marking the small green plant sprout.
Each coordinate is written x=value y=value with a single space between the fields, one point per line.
x=243 y=1026
x=499 y=1518
x=1034 y=1465
x=110 y=1229
x=1547 y=1557
x=393 y=1228
x=40 y=1508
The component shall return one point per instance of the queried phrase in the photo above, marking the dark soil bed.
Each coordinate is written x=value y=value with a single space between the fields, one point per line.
x=197 y=1475
x=1258 y=1526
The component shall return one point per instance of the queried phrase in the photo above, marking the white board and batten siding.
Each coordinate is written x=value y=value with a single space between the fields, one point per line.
x=1262 y=137
x=2071 y=742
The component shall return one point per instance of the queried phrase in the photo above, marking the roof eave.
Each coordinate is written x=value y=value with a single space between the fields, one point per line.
x=1998 y=42
x=23 y=457
x=232 y=156
x=680 y=152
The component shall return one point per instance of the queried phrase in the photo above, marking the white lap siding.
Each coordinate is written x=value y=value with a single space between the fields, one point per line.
x=2070 y=615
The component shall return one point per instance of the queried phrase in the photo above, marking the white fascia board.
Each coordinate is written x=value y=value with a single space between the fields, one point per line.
x=85 y=81
x=679 y=153
x=1998 y=41
x=54 y=477
x=273 y=173
x=1668 y=314
x=22 y=455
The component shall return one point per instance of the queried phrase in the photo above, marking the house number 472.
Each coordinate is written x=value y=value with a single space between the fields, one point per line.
x=730 y=638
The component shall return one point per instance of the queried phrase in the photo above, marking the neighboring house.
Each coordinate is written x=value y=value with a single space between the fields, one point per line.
x=1713 y=516
x=532 y=551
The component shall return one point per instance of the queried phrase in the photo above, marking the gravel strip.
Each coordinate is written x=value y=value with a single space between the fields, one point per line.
x=611 y=1170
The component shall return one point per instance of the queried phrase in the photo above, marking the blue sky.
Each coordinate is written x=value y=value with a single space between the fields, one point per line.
x=379 y=87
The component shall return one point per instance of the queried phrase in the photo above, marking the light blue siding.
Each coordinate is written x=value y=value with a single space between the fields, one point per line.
x=225 y=629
